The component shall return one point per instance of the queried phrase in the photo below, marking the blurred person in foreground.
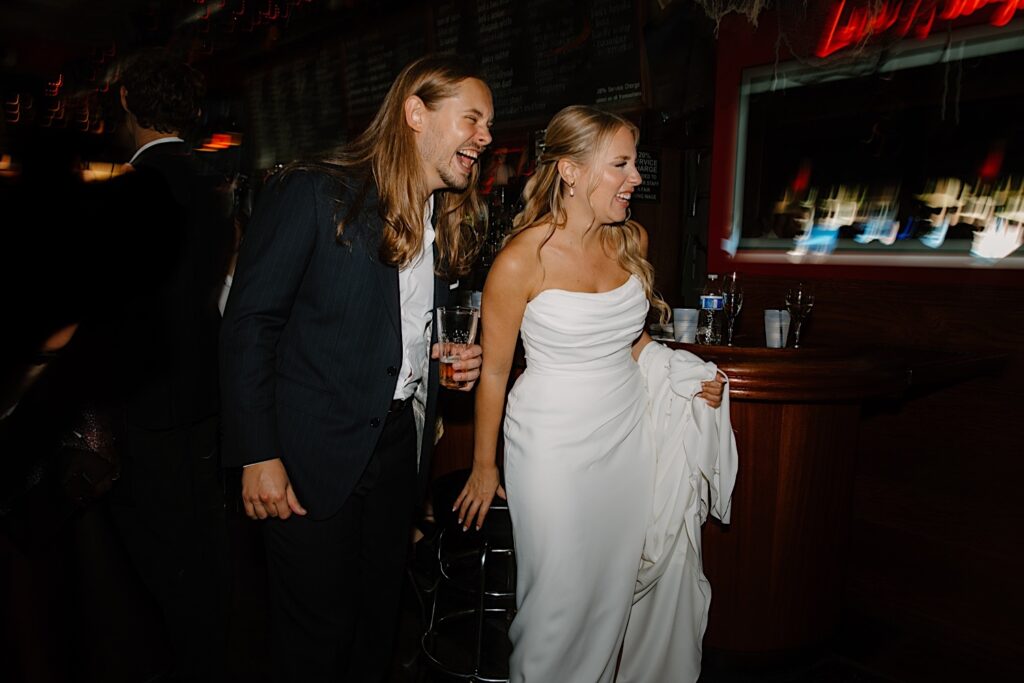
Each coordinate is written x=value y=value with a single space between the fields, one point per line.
x=160 y=345
x=83 y=272
x=329 y=388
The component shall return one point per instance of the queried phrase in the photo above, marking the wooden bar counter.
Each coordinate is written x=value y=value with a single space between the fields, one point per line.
x=776 y=570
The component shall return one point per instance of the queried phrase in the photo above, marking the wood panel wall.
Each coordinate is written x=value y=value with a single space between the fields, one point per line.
x=936 y=547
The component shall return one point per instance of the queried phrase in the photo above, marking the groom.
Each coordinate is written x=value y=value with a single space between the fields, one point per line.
x=328 y=385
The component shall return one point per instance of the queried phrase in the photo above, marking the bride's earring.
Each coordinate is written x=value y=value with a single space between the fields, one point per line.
x=572 y=189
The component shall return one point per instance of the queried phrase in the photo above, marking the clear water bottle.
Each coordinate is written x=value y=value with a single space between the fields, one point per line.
x=709 y=317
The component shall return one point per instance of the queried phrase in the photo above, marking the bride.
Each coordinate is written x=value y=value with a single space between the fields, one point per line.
x=580 y=463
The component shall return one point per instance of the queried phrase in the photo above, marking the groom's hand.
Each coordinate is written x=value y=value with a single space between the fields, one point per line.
x=467 y=368
x=267 y=492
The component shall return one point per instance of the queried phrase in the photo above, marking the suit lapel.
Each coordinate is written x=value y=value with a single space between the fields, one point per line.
x=440 y=286
x=388 y=275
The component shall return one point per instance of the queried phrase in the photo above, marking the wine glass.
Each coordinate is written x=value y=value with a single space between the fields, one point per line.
x=732 y=303
x=799 y=301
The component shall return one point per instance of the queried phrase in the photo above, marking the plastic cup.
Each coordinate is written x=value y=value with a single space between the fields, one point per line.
x=773 y=329
x=684 y=325
x=456 y=329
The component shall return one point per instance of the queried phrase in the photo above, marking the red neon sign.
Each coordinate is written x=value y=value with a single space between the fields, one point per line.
x=902 y=18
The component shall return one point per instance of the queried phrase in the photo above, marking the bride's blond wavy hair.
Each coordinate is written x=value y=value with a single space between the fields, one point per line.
x=386 y=152
x=581 y=134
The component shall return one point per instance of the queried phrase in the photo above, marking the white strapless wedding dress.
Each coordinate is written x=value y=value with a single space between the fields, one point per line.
x=579 y=471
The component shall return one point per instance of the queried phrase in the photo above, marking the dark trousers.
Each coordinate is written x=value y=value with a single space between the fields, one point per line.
x=168 y=506
x=336 y=583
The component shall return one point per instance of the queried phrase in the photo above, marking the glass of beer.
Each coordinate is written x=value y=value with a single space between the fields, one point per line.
x=456 y=329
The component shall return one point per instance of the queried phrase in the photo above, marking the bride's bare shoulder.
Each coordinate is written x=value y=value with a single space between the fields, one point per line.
x=530 y=238
x=519 y=259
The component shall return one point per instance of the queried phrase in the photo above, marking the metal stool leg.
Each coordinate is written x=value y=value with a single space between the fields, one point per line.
x=481 y=609
x=463 y=600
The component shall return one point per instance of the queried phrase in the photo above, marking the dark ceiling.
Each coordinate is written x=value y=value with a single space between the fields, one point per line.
x=40 y=39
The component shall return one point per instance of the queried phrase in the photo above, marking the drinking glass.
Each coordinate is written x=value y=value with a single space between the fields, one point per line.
x=799 y=301
x=732 y=303
x=456 y=329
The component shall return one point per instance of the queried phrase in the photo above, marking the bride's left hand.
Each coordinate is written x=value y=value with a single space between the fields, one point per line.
x=467 y=368
x=477 y=496
x=712 y=391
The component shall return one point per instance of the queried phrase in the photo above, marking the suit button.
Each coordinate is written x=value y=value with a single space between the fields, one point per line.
x=392 y=371
x=375 y=422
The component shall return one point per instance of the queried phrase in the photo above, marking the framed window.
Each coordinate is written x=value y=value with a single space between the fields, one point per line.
x=913 y=156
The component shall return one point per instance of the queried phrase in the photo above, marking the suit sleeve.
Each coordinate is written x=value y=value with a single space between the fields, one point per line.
x=272 y=262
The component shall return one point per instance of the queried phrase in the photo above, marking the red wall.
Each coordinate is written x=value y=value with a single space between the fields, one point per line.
x=935 y=554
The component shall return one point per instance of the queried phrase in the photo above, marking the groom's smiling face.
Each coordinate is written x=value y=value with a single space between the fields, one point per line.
x=452 y=136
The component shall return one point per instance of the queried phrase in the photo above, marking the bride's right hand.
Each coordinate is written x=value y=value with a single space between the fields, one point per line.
x=477 y=496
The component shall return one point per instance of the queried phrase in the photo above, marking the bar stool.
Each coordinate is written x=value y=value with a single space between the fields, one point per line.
x=474 y=602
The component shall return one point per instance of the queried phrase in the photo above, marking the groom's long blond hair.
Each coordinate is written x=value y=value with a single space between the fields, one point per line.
x=386 y=152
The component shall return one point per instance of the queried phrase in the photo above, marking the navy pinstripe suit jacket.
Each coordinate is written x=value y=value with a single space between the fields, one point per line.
x=311 y=341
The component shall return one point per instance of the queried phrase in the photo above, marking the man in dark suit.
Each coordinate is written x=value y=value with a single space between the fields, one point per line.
x=328 y=389
x=168 y=503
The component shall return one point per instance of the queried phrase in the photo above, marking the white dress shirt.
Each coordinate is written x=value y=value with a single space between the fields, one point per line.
x=696 y=473
x=416 y=296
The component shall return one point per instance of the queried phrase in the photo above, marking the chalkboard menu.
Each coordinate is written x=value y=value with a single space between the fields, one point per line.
x=297 y=107
x=372 y=61
x=541 y=55
x=537 y=55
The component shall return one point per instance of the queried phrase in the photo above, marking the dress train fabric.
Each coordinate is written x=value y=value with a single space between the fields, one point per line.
x=696 y=471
